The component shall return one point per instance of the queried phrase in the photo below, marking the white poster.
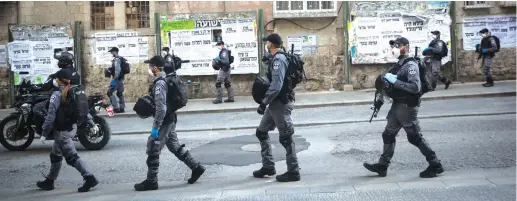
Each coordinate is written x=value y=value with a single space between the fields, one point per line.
x=21 y=65
x=143 y=48
x=502 y=26
x=297 y=42
x=3 y=55
x=198 y=45
x=103 y=43
x=19 y=50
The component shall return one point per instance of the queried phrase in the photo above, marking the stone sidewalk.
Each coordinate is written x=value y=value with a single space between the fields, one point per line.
x=337 y=98
x=247 y=186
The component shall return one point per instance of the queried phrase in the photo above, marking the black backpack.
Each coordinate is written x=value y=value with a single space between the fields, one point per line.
x=177 y=96
x=497 y=42
x=126 y=67
x=230 y=57
x=424 y=78
x=77 y=105
x=445 y=49
x=295 y=72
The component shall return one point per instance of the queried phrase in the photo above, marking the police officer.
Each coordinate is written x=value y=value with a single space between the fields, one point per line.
x=163 y=132
x=224 y=75
x=280 y=98
x=405 y=87
x=435 y=49
x=64 y=126
x=65 y=61
x=487 y=49
x=169 y=62
x=117 y=83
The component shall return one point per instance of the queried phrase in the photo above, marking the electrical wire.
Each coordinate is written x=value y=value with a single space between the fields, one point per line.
x=318 y=29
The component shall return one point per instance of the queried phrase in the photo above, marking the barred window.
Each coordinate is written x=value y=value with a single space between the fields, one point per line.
x=282 y=5
x=476 y=3
x=102 y=15
x=296 y=5
x=137 y=14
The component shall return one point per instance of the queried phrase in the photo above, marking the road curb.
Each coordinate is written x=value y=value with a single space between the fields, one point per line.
x=327 y=104
x=318 y=123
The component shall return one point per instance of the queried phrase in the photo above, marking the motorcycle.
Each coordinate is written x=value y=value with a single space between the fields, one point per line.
x=25 y=122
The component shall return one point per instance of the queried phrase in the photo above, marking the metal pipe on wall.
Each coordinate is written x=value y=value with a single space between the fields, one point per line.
x=260 y=25
x=157 y=33
x=346 y=63
x=454 y=40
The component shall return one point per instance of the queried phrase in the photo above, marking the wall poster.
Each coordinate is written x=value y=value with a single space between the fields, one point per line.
x=195 y=39
x=130 y=45
x=502 y=26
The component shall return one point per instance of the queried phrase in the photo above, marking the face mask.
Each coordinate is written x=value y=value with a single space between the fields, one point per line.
x=265 y=48
x=434 y=37
x=164 y=53
x=150 y=72
x=55 y=83
x=395 y=52
x=484 y=35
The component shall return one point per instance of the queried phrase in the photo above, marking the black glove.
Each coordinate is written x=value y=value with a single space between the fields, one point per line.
x=264 y=59
x=261 y=109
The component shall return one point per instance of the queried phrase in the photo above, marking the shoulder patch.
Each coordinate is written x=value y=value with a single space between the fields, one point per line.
x=276 y=65
x=412 y=71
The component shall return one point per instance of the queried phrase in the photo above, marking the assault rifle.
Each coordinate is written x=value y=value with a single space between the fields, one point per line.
x=375 y=107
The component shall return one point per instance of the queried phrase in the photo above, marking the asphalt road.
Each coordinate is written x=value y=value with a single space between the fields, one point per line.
x=218 y=121
x=461 y=143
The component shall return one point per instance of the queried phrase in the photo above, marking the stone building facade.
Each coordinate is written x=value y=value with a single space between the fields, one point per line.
x=324 y=67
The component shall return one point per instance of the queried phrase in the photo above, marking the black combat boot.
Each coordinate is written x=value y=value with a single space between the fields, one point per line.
x=263 y=172
x=432 y=170
x=447 y=82
x=89 y=182
x=229 y=101
x=119 y=110
x=217 y=101
x=489 y=82
x=146 y=186
x=382 y=170
x=196 y=173
x=288 y=176
x=47 y=185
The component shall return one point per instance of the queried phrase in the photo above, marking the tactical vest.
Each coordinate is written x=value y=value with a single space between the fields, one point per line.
x=433 y=44
x=485 y=44
x=286 y=93
x=225 y=67
x=399 y=95
x=63 y=121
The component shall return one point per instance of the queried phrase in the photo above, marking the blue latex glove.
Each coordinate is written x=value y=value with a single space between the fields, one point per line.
x=154 y=133
x=217 y=58
x=484 y=51
x=390 y=77
x=113 y=83
x=425 y=51
x=477 y=46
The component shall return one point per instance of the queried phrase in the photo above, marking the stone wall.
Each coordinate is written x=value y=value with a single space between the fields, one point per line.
x=469 y=69
x=8 y=15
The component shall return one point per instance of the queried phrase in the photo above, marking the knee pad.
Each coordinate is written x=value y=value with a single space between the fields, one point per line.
x=261 y=136
x=227 y=84
x=70 y=160
x=55 y=158
x=119 y=94
x=153 y=160
x=286 y=140
x=388 y=138
x=181 y=152
x=218 y=85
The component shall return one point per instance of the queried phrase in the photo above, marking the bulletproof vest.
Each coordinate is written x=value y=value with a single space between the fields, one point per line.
x=399 y=95
x=112 y=69
x=433 y=44
x=63 y=120
x=225 y=67
x=286 y=93
x=485 y=44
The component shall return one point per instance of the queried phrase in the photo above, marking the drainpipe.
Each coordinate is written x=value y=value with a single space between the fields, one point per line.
x=346 y=62
x=454 y=40
x=260 y=26
x=158 y=33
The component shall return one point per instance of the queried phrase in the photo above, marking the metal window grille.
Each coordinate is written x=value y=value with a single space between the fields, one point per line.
x=313 y=5
x=327 y=4
x=102 y=15
x=137 y=14
x=282 y=5
x=296 y=5
x=475 y=3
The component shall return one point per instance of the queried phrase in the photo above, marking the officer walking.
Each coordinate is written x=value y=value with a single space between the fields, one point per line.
x=117 y=83
x=280 y=98
x=163 y=131
x=224 y=75
x=64 y=125
x=487 y=49
x=404 y=79
x=436 y=51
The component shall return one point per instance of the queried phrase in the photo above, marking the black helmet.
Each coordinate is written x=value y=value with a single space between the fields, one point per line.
x=382 y=84
x=259 y=89
x=64 y=58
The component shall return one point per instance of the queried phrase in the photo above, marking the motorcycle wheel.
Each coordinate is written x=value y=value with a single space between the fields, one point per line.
x=92 y=142
x=5 y=134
